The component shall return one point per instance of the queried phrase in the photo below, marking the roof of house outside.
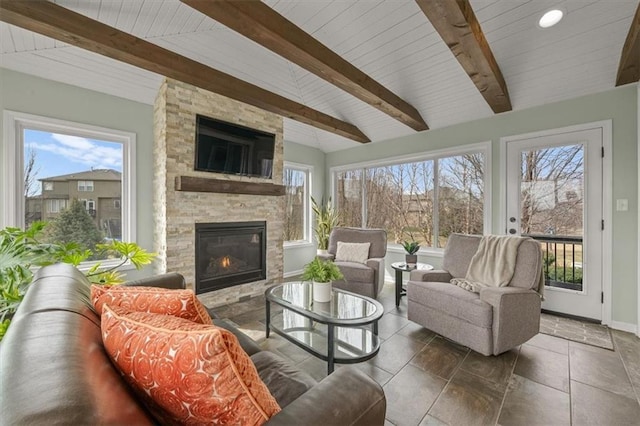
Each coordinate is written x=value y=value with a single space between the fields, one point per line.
x=94 y=174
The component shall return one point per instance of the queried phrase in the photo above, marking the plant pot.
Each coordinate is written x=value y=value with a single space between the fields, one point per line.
x=411 y=259
x=321 y=252
x=322 y=292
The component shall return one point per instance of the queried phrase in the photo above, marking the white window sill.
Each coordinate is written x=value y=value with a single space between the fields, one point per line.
x=297 y=244
x=429 y=251
x=106 y=264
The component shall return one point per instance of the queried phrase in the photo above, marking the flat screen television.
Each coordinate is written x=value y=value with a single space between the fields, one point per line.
x=223 y=147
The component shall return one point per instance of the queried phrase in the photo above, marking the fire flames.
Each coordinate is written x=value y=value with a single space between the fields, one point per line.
x=225 y=262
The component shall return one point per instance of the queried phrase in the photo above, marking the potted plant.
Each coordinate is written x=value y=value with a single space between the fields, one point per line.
x=411 y=248
x=327 y=218
x=22 y=250
x=321 y=273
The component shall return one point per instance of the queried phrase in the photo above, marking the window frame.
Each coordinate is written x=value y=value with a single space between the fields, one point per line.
x=85 y=186
x=307 y=169
x=14 y=123
x=484 y=148
x=57 y=202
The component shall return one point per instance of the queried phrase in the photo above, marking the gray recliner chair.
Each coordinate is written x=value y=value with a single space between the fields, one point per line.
x=366 y=278
x=491 y=322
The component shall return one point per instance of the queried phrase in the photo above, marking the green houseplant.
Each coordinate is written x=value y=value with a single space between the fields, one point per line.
x=23 y=250
x=411 y=248
x=321 y=273
x=327 y=218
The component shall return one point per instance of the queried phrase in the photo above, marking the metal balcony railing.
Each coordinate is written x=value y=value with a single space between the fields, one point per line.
x=562 y=257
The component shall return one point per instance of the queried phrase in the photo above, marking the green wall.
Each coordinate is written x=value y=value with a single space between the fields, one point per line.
x=620 y=105
x=296 y=256
x=25 y=93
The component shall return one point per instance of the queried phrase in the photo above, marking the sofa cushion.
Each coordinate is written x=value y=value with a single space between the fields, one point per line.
x=356 y=271
x=179 y=303
x=453 y=300
x=285 y=382
x=186 y=372
x=352 y=252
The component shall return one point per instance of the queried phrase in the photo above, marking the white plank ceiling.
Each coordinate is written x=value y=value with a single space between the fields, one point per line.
x=392 y=41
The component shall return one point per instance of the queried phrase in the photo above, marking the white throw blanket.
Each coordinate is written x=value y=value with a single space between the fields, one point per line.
x=493 y=263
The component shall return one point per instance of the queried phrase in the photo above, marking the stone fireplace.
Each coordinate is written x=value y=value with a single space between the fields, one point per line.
x=178 y=207
x=229 y=253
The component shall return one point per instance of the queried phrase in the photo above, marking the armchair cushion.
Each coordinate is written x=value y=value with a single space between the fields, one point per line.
x=356 y=271
x=352 y=252
x=376 y=237
x=458 y=253
x=453 y=300
x=432 y=275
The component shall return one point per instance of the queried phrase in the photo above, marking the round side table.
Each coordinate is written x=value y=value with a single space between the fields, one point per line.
x=401 y=267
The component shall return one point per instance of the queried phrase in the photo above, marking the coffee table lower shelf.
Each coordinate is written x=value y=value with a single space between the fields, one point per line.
x=350 y=344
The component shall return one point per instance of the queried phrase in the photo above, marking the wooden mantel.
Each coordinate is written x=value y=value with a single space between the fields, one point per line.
x=200 y=184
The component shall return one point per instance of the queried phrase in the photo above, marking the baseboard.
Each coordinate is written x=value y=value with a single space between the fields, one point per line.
x=292 y=273
x=624 y=326
x=574 y=317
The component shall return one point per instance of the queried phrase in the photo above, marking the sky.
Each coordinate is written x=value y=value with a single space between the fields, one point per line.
x=58 y=154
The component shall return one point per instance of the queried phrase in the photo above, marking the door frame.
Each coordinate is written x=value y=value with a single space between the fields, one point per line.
x=607 y=197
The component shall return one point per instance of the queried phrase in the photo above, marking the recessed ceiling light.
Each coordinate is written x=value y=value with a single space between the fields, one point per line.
x=550 y=18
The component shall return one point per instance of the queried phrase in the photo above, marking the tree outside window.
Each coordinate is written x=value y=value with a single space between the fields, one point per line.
x=348 y=186
x=424 y=201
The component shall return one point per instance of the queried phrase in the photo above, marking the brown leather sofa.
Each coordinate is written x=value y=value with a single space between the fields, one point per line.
x=54 y=369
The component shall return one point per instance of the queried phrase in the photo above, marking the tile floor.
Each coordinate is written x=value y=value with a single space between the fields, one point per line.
x=429 y=380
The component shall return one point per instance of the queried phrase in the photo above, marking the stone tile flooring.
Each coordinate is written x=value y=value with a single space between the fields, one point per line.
x=429 y=380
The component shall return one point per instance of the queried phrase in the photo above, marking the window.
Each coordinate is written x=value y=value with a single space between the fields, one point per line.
x=55 y=206
x=82 y=159
x=296 y=224
x=88 y=204
x=425 y=198
x=85 y=186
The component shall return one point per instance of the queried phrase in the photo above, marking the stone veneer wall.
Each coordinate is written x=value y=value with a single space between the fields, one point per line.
x=177 y=212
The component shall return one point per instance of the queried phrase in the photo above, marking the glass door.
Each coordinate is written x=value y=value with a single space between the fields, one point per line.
x=554 y=195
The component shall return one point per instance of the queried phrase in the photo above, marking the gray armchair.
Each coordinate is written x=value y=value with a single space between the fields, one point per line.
x=491 y=322
x=366 y=278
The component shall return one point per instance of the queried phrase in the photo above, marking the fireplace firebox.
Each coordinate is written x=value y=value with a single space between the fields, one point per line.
x=230 y=253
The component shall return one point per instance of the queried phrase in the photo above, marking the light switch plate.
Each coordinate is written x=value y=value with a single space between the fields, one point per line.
x=622 y=205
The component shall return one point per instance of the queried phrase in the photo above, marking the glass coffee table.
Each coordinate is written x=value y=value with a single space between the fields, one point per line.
x=344 y=330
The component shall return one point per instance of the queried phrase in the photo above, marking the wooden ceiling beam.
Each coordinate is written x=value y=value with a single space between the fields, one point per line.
x=260 y=23
x=629 y=67
x=62 y=24
x=458 y=26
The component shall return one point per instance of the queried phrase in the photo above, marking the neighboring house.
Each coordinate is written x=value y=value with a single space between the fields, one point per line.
x=100 y=191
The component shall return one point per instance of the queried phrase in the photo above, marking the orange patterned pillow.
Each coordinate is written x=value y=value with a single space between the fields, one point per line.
x=179 y=303
x=188 y=373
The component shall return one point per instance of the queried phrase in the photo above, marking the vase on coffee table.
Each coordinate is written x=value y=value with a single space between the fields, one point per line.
x=321 y=291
